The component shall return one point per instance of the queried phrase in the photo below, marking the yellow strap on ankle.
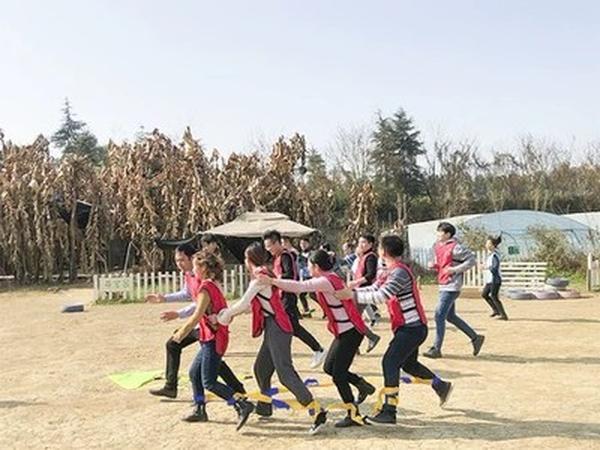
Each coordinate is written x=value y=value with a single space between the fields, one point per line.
x=351 y=407
x=239 y=396
x=390 y=391
x=260 y=397
x=313 y=407
x=416 y=380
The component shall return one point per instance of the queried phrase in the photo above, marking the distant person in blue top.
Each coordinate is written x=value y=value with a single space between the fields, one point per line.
x=493 y=278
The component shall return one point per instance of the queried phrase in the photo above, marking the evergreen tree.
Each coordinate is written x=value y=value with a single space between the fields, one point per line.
x=73 y=137
x=394 y=157
x=399 y=178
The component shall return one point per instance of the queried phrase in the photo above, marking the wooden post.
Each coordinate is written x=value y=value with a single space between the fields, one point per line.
x=589 y=273
x=138 y=278
x=241 y=272
x=131 y=287
x=96 y=287
x=110 y=292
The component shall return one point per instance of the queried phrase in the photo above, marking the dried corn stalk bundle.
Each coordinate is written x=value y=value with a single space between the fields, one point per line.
x=361 y=214
x=77 y=179
x=31 y=233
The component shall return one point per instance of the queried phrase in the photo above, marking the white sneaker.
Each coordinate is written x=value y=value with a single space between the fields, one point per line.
x=317 y=359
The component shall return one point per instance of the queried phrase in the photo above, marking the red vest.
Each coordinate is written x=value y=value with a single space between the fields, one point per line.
x=207 y=331
x=347 y=304
x=280 y=316
x=192 y=283
x=443 y=259
x=362 y=262
x=393 y=304
x=278 y=268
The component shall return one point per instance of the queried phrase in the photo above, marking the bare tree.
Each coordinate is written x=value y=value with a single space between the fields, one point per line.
x=351 y=151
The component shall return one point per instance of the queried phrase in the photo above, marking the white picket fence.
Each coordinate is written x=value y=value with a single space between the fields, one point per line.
x=519 y=274
x=134 y=286
x=593 y=273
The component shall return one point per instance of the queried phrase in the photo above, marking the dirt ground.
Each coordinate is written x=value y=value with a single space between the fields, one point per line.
x=535 y=384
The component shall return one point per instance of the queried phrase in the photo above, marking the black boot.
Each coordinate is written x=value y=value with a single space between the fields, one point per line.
x=364 y=390
x=443 y=389
x=477 y=344
x=264 y=409
x=244 y=408
x=199 y=415
x=501 y=312
x=165 y=391
x=319 y=423
x=387 y=416
x=433 y=353
x=348 y=421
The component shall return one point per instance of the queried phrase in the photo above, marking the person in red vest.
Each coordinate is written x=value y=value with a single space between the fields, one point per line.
x=452 y=260
x=285 y=268
x=270 y=319
x=183 y=260
x=344 y=321
x=214 y=339
x=364 y=274
x=397 y=288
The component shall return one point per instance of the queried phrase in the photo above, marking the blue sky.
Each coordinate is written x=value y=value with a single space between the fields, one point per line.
x=240 y=70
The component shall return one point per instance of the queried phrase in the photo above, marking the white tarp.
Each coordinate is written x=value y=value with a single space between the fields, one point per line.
x=254 y=224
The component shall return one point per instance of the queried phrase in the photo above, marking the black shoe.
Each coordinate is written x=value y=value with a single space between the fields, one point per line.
x=477 y=344
x=165 y=392
x=364 y=390
x=373 y=343
x=433 y=353
x=264 y=409
x=443 y=390
x=319 y=422
x=502 y=317
x=387 y=416
x=347 y=422
x=494 y=314
x=199 y=415
x=244 y=408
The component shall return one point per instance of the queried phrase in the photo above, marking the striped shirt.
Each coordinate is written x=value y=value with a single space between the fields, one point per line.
x=321 y=284
x=398 y=284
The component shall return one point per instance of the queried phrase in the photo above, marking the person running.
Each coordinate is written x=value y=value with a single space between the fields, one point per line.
x=183 y=260
x=284 y=267
x=270 y=319
x=397 y=288
x=214 y=339
x=452 y=260
x=344 y=322
x=365 y=274
x=300 y=264
x=493 y=278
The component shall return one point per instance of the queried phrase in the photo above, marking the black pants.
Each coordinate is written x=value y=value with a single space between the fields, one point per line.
x=302 y=333
x=338 y=362
x=304 y=300
x=174 y=360
x=403 y=353
x=490 y=295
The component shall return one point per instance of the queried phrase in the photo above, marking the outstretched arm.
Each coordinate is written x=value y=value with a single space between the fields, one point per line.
x=201 y=305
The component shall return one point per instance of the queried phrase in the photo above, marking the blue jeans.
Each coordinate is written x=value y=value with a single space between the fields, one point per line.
x=446 y=311
x=203 y=374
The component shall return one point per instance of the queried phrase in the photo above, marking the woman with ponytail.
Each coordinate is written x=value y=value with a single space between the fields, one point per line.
x=493 y=278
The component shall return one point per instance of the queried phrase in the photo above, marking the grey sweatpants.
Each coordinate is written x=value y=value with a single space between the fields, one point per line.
x=275 y=355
